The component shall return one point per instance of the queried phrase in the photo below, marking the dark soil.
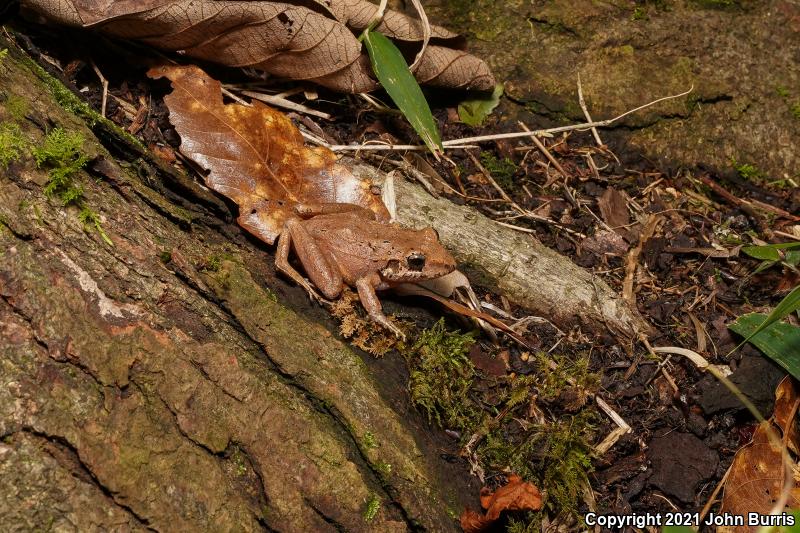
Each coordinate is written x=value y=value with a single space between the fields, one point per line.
x=596 y=216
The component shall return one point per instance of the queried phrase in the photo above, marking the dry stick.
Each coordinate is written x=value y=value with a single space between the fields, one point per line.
x=731 y=199
x=104 y=83
x=490 y=179
x=621 y=429
x=459 y=143
x=582 y=103
x=632 y=260
x=426 y=35
x=278 y=101
x=542 y=148
x=713 y=497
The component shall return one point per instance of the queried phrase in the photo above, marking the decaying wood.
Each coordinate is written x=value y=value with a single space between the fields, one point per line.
x=312 y=40
x=517 y=264
x=158 y=384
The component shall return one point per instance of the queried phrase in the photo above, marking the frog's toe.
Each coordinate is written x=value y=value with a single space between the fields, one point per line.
x=394 y=329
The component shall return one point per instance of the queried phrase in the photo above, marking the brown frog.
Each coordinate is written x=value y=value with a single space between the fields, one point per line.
x=341 y=244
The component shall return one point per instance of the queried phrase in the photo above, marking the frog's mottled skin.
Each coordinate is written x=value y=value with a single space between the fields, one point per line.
x=340 y=244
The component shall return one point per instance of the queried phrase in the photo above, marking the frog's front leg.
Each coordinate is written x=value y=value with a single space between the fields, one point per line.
x=325 y=276
x=366 y=293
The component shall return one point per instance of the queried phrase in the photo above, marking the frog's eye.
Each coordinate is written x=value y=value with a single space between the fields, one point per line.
x=416 y=261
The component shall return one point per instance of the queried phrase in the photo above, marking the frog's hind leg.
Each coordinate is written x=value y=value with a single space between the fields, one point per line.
x=325 y=277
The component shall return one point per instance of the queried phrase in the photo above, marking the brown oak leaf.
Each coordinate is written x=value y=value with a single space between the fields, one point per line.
x=311 y=40
x=255 y=155
x=516 y=495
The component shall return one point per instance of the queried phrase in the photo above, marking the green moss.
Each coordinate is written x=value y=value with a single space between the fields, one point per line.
x=383 y=468
x=502 y=170
x=3 y=54
x=372 y=508
x=795 y=109
x=441 y=375
x=639 y=13
x=62 y=153
x=165 y=256
x=17 y=107
x=567 y=374
x=90 y=218
x=748 y=171
x=369 y=440
x=566 y=459
x=73 y=103
x=12 y=143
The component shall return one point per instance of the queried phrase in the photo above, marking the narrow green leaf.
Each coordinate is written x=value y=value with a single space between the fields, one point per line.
x=392 y=71
x=769 y=252
x=780 y=342
x=789 y=304
x=473 y=112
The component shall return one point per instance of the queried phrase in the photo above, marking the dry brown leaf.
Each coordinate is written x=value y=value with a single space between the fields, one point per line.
x=756 y=478
x=786 y=399
x=313 y=40
x=255 y=155
x=516 y=495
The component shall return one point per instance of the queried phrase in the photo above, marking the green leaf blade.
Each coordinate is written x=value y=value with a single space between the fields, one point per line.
x=778 y=341
x=392 y=71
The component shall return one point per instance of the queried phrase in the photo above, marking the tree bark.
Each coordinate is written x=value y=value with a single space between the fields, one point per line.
x=159 y=384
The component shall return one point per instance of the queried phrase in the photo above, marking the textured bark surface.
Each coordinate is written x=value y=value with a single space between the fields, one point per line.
x=516 y=264
x=740 y=56
x=159 y=384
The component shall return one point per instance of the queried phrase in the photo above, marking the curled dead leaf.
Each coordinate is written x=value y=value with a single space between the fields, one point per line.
x=757 y=477
x=255 y=155
x=314 y=41
x=516 y=495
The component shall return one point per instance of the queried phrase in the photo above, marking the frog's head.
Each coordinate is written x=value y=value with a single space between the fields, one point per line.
x=425 y=259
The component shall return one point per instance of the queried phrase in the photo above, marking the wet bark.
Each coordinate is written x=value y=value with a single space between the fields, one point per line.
x=159 y=383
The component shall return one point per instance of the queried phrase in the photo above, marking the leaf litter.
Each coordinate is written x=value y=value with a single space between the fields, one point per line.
x=315 y=43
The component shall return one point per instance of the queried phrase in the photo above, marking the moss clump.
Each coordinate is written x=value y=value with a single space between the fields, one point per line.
x=748 y=172
x=369 y=440
x=372 y=508
x=502 y=170
x=62 y=153
x=441 y=375
x=12 y=143
x=565 y=379
x=795 y=109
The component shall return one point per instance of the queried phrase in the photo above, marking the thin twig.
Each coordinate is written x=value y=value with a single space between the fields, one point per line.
x=582 y=103
x=104 y=83
x=463 y=143
x=542 y=148
x=279 y=101
x=235 y=98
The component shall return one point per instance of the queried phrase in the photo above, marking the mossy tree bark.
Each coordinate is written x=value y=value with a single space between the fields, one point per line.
x=158 y=384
